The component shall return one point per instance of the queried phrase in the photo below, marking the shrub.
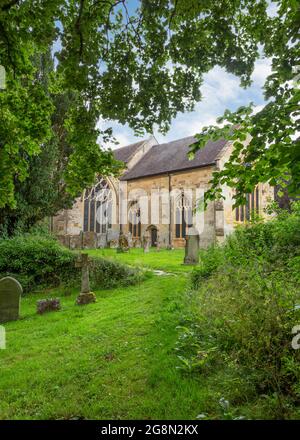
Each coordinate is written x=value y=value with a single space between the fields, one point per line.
x=107 y=274
x=40 y=261
x=274 y=244
x=244 y=306
x=210 y=260
x=36 y=260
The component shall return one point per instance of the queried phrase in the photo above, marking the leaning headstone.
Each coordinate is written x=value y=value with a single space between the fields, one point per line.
x=123 y=245
x=10 y=294
x=85 y=296
x=146 y=241
x=192 y=247
x=48 y=305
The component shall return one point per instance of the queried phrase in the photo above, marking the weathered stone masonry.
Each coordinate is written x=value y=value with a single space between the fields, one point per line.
x=160 y=169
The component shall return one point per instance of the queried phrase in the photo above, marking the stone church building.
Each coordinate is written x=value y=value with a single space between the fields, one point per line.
x=157 y=194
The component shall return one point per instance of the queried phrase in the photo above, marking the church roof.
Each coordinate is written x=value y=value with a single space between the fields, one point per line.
x=124 y=154
x=173 y=156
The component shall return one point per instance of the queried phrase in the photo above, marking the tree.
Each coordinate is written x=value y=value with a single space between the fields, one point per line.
x=44 y=191
x=273 y=152
x=139 y=68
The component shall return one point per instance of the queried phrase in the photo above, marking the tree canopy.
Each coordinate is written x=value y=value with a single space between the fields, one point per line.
x=137 y=67
x=271 y=152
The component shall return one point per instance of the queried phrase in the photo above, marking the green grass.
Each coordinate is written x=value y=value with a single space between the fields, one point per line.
x=169 y=261
x=117 y=358
x=112 y=359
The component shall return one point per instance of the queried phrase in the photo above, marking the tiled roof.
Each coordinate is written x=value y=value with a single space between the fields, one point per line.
x=124 y=154
x=173 y=156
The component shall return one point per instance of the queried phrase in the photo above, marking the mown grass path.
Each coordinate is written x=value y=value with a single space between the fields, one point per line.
x=113 y=359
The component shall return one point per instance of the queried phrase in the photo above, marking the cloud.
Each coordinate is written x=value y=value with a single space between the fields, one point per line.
x=123 y=139
x=261 y=71
x=272 y=9
x=220 y=90
x=122 y=133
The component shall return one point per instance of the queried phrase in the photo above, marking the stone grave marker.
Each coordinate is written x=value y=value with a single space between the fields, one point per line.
x=146 y=241
x=10 y=294
x=123 y=245
x=157 y=244
x=85 y=296
x=2 y=78
x=48 y=305
x=192 y=247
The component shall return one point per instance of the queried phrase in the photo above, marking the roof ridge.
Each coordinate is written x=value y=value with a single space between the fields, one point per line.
x=178 y=140
x=125 y=154
x=130 y=145
x=173 y=156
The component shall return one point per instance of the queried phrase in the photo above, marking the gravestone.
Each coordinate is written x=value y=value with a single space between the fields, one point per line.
x=47 y=305
x=158 y=244
x=123 y=243
x=10 y=294
x=85 y=296
x=192 y=247
x=2 y=338
x=146 y=241
x=113 y=244
x=2 y=78
x=129 y=239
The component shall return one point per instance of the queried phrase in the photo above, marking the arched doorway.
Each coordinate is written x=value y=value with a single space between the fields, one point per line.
x=153 y=233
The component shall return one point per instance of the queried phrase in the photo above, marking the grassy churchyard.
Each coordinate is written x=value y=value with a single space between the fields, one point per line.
x=165 y=260
x=129 y=123
x=112 y=359
x=163 y=340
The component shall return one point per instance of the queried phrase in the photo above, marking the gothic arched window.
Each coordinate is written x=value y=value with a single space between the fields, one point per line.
x=134 y=217
x=245 y=212
x=183 y=215
x=98 y=201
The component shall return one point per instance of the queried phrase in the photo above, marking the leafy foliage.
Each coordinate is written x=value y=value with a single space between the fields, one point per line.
x=108 y=274
x=115 y=62
x=266 y=144
x=40 y=261
x=246 y=325
x=36 y=261
x=44 y=191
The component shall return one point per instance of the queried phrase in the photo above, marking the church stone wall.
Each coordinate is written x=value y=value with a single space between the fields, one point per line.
x=266 y=195
x=187 y=180
x=146 y=185
x=196 y=180
x=219 y=218
x=69 y=221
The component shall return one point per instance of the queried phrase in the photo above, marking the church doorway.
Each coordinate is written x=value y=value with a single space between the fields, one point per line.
x=153 y=234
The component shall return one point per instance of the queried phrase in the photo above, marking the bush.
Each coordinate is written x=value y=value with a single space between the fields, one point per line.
x=210 y=260
x=274 y=244
x=244 y=306
x=38 y=261
x=108 y=274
